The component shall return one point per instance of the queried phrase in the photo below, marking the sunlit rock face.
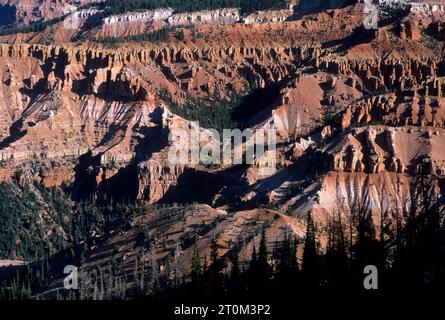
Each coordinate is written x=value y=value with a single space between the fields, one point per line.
x=349 y=115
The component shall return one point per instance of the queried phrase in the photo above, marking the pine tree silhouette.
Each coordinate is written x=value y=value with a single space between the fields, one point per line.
x=196 y=272
x=336 y=255
x=214 y=273
x=310 y=267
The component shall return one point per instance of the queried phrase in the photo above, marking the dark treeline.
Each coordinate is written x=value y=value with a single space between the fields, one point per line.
x=247 y=6
x=407 y=249
x=89 y=223
x=27 y=234
x=25 y=281
x=215 y=114
x=35 y=26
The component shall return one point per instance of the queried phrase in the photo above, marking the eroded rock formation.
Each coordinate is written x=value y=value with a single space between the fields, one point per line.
x=101 y=115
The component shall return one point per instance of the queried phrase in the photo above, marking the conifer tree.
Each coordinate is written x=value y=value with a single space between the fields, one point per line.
x=215 y=277
x=196 y=270
x=336 y=255
x=310 y=266
x=262 y=263
x=286 y=273
x=235 y=285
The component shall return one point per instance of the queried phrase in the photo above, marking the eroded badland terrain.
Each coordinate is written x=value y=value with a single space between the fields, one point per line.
x=87 y=104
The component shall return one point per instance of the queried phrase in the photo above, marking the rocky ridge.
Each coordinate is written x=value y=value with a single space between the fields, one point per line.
x=345 y=112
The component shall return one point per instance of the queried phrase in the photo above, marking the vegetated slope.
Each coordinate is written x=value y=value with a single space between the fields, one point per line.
x=33 y=221
x=247 y=6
